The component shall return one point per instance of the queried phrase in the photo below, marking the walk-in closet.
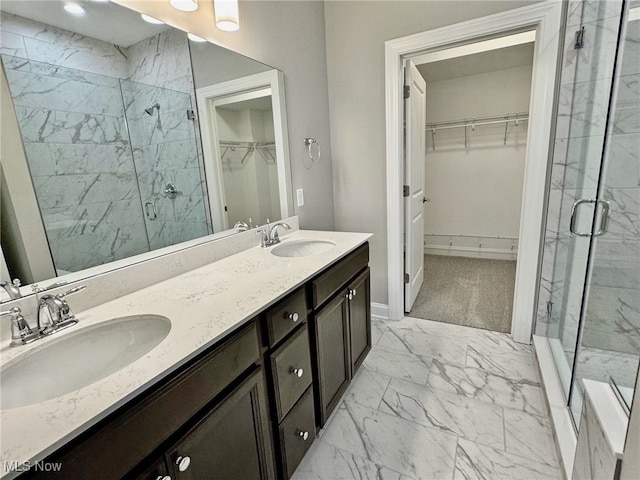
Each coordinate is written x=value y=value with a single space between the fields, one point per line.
x=476 y=121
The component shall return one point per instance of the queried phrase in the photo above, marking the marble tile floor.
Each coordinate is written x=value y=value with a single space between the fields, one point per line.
x=438 y=401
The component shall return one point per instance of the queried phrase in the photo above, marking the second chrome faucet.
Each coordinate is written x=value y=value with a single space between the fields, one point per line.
x=269 y=233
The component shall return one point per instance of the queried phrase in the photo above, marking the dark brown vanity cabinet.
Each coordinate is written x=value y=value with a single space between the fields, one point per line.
x=291 y=379
x=341 y=326
x=228 y=442
x=216 y=400
x=249 y=406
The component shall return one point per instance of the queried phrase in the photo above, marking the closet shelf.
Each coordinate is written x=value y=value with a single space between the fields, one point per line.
x=474 y=122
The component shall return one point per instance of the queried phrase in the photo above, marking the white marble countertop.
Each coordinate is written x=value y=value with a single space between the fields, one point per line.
x=204 y=305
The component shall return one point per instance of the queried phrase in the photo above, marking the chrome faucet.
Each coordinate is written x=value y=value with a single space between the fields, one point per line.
x=269 y=234
x=241 y=226
x=13 y=288
x=21 y=332
x=58 y=312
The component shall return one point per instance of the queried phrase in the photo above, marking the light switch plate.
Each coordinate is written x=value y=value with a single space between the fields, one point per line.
x=300 y=197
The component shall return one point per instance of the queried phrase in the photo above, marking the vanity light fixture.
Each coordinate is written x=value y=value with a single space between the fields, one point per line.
x=74 y=9
x=184 y=5
x=227 y=18
x=195 y=38
x=150 y=19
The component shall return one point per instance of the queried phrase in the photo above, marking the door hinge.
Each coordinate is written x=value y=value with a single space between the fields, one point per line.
x=406 y=191
x=406 y=278
x=407 y=91
x=579 y=39
x=549 y=309
x=191 y=115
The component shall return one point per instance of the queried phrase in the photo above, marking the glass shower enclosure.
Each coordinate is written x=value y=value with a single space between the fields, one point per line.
x=589 y=307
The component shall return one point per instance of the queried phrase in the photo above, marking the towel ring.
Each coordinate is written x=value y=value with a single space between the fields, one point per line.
x=309 y=143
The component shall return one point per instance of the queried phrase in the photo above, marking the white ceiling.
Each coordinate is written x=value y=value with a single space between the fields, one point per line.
x=478 y=63
x=105 y=21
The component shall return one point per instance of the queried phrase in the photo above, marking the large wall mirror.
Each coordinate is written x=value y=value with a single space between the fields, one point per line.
x=113 y=137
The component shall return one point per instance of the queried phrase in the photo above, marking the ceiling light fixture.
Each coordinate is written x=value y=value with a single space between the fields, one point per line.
x=196 y=38
x=227 y=18
x=150 y=19
x=184 y=5
x=74 y=9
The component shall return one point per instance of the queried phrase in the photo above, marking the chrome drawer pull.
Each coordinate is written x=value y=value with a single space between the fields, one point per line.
x=297 y=372
x=183 y=463
x=303 y=435
x=293 y=316
x=160 y=477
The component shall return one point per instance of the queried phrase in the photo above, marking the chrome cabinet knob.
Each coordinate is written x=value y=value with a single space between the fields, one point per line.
x=183 y=463
x=298 y=372
x=354 y=291
x=303 y=435
x=161 y=477
x=294 y=317
x=349 y=295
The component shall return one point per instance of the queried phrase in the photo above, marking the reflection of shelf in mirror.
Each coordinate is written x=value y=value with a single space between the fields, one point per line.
x=263 y=148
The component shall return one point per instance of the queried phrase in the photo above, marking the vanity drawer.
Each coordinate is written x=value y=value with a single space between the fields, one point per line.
x=291 y=368
x=285 y=316
x=124 y=441
x=338 y=275
x=297 y=433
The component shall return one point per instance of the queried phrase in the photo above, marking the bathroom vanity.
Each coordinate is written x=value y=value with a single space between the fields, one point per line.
x=260 y=351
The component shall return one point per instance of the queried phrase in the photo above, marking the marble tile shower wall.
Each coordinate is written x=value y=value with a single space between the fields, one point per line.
x=613 y=312
x=76 y=141
x=168 y=150
x=164 y=151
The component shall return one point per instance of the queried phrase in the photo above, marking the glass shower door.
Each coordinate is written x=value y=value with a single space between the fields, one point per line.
x=609 y=342
x=574 y=213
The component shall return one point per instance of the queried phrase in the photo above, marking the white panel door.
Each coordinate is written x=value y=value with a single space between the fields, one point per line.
x=414 y=112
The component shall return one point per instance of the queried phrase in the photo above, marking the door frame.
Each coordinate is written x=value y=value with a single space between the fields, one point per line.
x=545 y=18
x=207 y=98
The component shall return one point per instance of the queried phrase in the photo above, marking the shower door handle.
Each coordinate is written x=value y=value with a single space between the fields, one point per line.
x=604 y=218
x=151 y=212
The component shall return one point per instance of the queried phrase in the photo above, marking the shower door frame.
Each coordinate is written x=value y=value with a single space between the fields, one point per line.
x=545 y=18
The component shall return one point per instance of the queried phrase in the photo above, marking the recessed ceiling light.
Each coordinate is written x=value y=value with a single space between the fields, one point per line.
x=184 y=5
x=195 y=38
x=74 y=9
x=150 y=19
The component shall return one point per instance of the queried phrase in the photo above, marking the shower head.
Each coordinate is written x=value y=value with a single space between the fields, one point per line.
x=149 y=111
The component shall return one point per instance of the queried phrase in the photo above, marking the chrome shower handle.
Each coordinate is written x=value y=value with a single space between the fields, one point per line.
x=572 y=222
x=151 y=215
x=604 y=219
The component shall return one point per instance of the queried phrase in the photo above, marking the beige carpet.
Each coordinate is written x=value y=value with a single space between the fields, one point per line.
x=467 y=291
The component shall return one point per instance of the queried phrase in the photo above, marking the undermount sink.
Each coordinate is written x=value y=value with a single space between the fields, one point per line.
x=302 y=248
x=79 y=359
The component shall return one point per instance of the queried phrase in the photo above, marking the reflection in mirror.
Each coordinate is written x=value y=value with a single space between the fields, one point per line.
x=106 y=107
x=247 y=158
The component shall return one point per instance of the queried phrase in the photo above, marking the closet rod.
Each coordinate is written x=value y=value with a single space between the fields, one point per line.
x=474 y=122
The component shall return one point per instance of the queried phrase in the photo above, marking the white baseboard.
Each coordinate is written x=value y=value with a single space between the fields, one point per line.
x=490 y=254
x=379 y=311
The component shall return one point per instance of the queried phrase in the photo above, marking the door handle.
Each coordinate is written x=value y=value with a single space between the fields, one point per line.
x=604 y=217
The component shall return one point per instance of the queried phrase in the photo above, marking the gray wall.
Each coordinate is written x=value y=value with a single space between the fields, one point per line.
x=355 y=36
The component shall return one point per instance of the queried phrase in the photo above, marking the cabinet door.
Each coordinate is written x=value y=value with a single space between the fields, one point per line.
x=359 y=319
x=232 y=441
x=331 y=330
x=156 y=471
